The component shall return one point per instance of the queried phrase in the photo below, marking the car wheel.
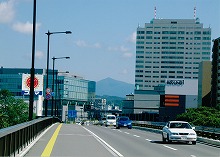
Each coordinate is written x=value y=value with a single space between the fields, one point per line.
x=117 y=127
x=194 y=142
x=168 y=139
x=164 y=139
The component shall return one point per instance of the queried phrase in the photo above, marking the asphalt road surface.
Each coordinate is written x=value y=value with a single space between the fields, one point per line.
x=100 y=141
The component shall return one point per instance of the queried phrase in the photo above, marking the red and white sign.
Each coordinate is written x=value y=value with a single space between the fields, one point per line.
x=26 y=82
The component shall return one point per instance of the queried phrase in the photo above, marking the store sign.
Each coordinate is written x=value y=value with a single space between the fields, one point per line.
x=175 y=82
x=26 y=83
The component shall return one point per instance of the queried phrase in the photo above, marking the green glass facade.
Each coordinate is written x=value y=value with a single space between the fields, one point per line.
x=67 y=88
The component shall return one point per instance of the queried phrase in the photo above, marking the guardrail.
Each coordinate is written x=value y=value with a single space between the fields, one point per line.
x=15 y=138
x=207 y=132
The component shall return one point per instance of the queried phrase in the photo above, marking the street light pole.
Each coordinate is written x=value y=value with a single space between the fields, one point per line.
x=31 y=98
x=48 y=52
x=54 y=58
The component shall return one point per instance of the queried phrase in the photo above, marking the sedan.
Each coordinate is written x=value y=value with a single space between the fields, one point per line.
x=180 y=131
x=123 y=122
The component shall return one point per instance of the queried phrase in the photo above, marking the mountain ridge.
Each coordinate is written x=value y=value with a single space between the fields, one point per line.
x=112 y=87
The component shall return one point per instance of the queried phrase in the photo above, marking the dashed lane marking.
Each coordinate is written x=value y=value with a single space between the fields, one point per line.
x=169 y=147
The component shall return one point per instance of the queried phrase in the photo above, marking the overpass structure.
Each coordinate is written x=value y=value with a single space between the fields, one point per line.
x=49 y=137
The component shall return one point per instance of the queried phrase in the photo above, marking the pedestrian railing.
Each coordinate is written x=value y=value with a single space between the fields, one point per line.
x=15 y=138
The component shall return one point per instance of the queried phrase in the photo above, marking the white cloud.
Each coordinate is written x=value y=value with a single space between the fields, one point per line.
x=132 y=38
x=97 y=45
x=26 y=28
x=7 y=11
x=82 y=43
x=128 y=54
x=39 y=54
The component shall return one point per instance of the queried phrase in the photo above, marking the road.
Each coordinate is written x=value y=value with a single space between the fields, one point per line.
x=99 y=141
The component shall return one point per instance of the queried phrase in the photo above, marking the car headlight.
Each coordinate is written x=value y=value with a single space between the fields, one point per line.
x=174 y=133
x=129 y=123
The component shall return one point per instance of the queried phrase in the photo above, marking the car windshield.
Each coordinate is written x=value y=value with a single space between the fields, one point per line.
x=180 y=125
x=124 y=118
x=110 y=117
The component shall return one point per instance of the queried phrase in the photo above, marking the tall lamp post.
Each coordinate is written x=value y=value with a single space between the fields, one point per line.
x=54 y=58
x=31 y=98
x=48 y=52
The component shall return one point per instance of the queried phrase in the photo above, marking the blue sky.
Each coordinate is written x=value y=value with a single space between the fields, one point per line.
x=102 y=43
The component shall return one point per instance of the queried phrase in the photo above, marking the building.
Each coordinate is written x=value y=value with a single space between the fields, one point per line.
x=69 y=90
x=170 y=49
x=204 y=83
x=215 y=83
x=180 y=94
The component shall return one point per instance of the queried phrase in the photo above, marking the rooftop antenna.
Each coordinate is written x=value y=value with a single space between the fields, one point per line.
x=194 y=12
x=155 y=12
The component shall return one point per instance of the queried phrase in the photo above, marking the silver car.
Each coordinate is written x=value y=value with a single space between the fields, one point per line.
x=179 y=131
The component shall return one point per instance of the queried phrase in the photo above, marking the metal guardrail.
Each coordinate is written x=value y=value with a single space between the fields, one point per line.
x=207 y=132
x=15 y=138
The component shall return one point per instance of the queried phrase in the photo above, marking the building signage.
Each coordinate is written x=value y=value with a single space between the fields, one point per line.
x=38 y=84
x=181 y=86
x=175 y=82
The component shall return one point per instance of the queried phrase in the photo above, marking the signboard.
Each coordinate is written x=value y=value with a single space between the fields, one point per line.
x=181 y=86
x=26 y=83
x=72 y=114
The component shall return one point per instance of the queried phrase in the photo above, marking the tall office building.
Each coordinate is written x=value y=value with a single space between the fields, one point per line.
x=170 y=48
x=215 y=83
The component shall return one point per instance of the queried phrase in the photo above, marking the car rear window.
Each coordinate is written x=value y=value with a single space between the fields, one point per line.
x=111 y=117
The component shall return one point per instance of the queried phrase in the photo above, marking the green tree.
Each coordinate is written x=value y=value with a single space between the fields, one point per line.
x=12 y=111
x=202 y=116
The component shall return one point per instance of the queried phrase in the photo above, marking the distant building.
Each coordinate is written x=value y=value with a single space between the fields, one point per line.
x=215 y=89
x=69 y=89
x=204 y=83
x=170 y=49
x=128 y=104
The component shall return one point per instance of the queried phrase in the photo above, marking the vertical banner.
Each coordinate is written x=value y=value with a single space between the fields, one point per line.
x=38 y=84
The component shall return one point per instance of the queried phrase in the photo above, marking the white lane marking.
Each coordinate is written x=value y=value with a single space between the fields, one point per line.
x=148 y=140
x=127 y=133
x=169 y=147
x=192 y=155
x=136 y=135
x=119 y=131
x=108 y=147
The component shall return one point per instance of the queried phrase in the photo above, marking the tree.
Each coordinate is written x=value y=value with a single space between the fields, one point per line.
x=12 y=111
x=202 y=116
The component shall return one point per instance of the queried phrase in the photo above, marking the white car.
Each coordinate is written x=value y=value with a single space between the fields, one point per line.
x=110 y=120
x=179 y=131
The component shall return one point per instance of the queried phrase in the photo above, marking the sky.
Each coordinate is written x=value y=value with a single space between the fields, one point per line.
x=102 y=43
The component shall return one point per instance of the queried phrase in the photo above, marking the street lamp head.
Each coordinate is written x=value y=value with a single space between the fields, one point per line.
x=67 y=57
x=68 y=32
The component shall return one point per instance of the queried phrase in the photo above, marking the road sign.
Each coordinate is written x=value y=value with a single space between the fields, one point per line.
x=72 y=114
x=48 y=96
x=48 y=90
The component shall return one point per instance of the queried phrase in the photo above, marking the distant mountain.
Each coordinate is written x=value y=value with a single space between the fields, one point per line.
x=113 y=87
